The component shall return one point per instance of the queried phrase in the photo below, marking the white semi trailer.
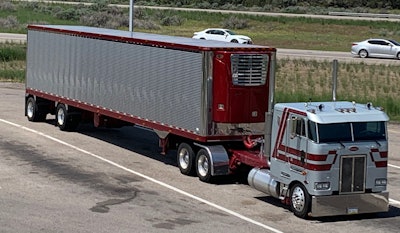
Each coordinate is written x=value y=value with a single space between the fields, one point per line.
x=213 y=102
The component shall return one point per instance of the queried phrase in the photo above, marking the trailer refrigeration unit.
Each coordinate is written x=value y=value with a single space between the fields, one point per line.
x=213 y=102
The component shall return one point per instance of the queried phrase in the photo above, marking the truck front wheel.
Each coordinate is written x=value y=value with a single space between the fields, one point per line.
x=203 y=165
x=299 y=200
x=185 y=159
x=65 y=120
x=33 y=112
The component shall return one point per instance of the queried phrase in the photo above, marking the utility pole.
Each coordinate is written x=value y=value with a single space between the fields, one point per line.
x=131 y=3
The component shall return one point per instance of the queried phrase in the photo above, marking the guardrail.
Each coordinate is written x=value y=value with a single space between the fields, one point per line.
x=370 y=15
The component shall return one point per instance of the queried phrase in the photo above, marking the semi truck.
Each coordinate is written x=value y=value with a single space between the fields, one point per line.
x=213 y=103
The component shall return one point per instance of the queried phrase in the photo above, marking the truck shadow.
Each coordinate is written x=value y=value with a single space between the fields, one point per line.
x=138 y=140
x=145 y=143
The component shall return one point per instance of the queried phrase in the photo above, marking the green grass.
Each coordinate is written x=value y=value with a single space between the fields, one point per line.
x=26 y=16
x=301 y=80
x=286 y=32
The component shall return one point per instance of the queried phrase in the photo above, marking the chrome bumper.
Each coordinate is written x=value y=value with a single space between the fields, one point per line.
x=361 y=203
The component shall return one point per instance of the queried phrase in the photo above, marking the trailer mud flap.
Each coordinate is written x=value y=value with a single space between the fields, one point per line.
x=219 y=159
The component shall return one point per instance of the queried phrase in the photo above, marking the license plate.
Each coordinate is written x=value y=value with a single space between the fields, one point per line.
x=352 y=210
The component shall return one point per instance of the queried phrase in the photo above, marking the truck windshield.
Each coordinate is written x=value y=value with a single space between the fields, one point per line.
x=351 y=131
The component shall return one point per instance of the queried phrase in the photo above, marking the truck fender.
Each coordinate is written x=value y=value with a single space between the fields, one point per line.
x=219 y=159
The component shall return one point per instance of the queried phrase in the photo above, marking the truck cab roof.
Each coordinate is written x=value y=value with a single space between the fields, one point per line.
x=336 y=112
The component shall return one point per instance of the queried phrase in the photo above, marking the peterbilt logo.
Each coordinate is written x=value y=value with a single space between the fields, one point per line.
x=353 y=148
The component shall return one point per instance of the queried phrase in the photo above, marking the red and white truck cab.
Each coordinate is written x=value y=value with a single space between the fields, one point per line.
x=329 y=158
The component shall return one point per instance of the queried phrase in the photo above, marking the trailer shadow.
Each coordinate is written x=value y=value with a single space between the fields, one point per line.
x=145 y=142
x=138 y=140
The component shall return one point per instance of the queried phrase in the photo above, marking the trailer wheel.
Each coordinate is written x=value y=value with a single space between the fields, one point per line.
x=203 y=166
x=185 y=159
x=299 y=200
x=33 y=112
x=64 y=120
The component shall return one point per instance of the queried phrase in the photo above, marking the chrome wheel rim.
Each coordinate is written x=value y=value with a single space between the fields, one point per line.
x=184 y=158
x=60 y=116
x=29 y=109
x=298 y=199
x=202 y=165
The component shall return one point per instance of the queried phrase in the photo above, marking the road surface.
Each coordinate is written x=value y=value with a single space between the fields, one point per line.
x=115 y=180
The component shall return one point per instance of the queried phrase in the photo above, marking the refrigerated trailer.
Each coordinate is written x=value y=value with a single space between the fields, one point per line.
x=214 y=103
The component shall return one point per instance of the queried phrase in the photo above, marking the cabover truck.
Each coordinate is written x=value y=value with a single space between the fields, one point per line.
x=213 y=102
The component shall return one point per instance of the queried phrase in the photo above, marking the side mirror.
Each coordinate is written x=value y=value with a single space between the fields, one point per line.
x=293 y=126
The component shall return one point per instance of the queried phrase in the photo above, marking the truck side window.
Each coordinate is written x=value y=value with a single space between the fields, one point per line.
x=312 y=131
x=300 y=130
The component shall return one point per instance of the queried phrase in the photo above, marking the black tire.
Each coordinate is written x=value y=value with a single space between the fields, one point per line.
x=33 y=112
x=300 y=201
x=203 y=166
x=234 y=41
x=398 y=56
x=363 y=53
x=65 y=120
x=185 y=159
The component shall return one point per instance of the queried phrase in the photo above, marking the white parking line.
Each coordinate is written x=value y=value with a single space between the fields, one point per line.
x=146 y=177
x=394 y=166
x=394 y=202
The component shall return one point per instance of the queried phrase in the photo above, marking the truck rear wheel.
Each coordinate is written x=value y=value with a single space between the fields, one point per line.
x=65 y=120
x=299 y=200
x=203 y=165
x=185 y=159
x=33 y=112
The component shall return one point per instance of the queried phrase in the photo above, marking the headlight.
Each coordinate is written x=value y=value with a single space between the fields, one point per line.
x=322 y=185
x=381 y=182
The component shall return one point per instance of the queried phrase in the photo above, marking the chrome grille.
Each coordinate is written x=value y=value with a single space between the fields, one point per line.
x=352 y=174
x=249 y=69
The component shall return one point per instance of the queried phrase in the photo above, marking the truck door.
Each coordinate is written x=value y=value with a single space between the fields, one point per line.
x=296 y=141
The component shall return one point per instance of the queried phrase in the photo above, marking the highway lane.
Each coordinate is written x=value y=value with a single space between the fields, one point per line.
x=282 y=53
x=107 y=180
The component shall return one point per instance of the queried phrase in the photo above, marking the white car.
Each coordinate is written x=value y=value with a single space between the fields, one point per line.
x=222 y=35
x=376 y=48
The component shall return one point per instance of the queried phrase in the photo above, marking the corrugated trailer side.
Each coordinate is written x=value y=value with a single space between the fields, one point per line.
x=133 y=79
